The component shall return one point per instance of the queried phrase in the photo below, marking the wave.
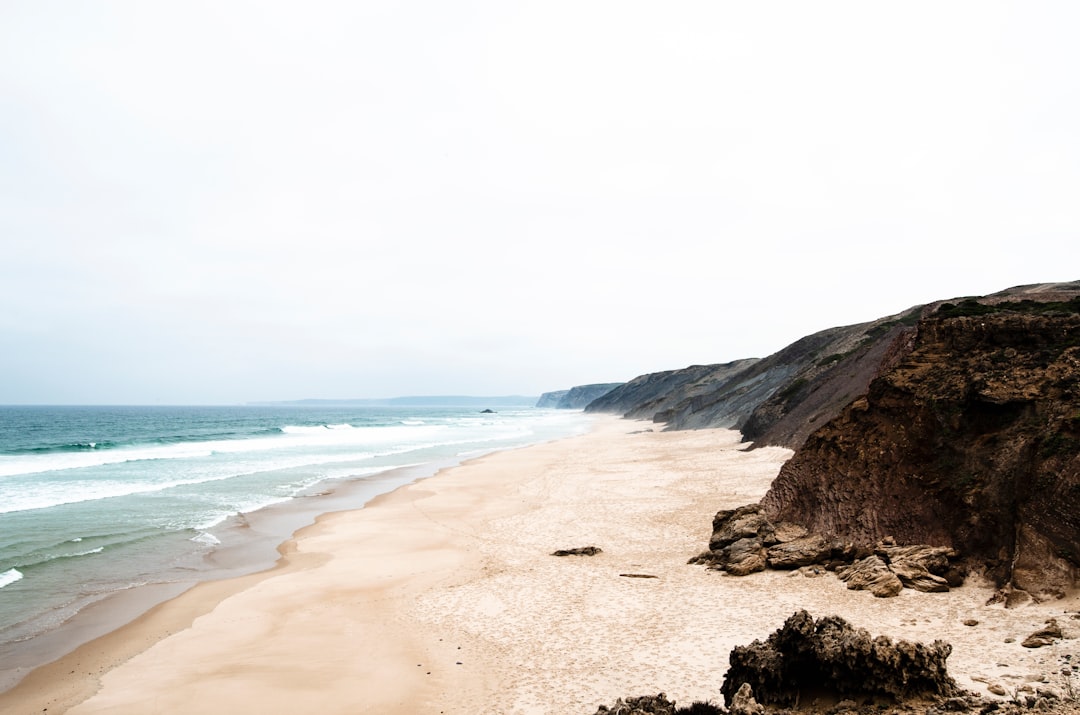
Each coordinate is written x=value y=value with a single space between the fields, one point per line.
x=288 y=437
x=9 y=577
x=297 y=446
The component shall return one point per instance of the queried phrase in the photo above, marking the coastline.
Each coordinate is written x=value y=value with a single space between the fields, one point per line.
x=441 y=596
x=253 y=543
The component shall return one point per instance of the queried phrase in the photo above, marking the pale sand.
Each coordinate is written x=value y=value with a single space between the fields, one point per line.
x=441 y=597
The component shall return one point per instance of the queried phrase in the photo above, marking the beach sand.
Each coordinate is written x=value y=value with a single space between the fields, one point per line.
x=442 y=597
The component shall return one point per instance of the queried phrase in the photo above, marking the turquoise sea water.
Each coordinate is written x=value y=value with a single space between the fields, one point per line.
x=95 y=500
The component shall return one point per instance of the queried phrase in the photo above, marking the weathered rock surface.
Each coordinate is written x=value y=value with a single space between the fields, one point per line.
x=743 y=557
x=1044 y=636
x=830 y=655
x=579 y=551
x=803 y=551
x=743 y=702
x=745 y=541
x=656 y=705
x=746 y=522
x=873 y=575
x=970 y=440
x=644 y=705
x=575 y=398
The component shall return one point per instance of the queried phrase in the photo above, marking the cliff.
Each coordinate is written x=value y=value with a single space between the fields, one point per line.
x=968 y=437
x=775 y=400
x=576 y=398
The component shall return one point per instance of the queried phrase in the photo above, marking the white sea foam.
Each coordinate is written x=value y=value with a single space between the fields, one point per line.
x=319 y=448
x=291 y=438
x=98 y=550
x=204 y=538
x=9 y=577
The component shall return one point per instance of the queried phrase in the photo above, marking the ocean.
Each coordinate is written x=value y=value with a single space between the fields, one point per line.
x=95 y=501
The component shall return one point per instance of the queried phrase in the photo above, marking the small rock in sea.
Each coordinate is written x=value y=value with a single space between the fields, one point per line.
x=971 y=622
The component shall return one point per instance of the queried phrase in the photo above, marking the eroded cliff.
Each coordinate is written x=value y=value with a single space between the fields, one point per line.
x=969 y=437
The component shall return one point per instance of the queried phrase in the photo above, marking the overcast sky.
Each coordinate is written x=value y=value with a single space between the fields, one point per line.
x=217 y=202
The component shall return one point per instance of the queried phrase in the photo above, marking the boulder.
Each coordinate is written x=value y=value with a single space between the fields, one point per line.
x=832 y=656
x=803 y=551
x=733 y=524
x=645 y=705
x=1044 y=636
x=743 y=557
x=914 y=576
x=935 y=559
x=871 y=574
x=743 y=703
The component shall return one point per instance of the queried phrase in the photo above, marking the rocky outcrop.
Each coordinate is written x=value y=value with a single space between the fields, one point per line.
x=576 y=398
x=830 y=656
x=745 y=541
x=969 y=440
x=657 y=705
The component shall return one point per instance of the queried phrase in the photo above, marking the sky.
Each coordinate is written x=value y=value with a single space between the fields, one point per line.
x=221 y=202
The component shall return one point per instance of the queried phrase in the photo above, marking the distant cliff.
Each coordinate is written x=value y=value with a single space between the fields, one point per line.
x=575 y=398
x=969 y=438
x=776 y=400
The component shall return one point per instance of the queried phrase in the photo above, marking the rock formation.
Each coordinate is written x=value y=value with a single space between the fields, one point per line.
x=744 y=541
x=829 y=657
x=657 y=705
x=969 y=440
x=575 y=398
x=777 y=400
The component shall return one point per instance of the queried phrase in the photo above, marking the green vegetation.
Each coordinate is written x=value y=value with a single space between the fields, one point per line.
x=792 y=389
x=1058 y=443
x=830 y=359
x=972 y=307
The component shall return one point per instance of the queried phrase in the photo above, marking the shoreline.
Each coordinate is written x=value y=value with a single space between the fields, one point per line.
x=251 y=544
x=441 y=596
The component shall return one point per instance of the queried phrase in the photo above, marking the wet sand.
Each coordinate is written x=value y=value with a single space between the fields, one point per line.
x=441 y=597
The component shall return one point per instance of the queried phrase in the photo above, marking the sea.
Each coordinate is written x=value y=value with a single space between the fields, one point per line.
x=99 y=501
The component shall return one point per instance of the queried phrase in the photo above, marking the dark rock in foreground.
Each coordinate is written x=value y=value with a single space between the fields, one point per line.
x=831 y=656
x=656 y=705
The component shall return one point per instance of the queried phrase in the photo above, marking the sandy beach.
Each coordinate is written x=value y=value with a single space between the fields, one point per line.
x=442 y=597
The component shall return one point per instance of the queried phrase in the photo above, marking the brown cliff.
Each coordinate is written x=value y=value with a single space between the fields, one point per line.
x=969 y=438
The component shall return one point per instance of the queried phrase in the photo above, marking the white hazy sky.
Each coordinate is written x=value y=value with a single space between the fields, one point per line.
x=216 y=202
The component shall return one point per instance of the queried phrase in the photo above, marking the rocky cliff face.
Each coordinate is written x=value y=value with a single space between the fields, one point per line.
x=969 y=437
x=657 y=393
x=776 y=400
x=576 y=398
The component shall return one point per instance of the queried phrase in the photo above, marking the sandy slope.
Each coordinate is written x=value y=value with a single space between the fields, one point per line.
x=442 y=598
